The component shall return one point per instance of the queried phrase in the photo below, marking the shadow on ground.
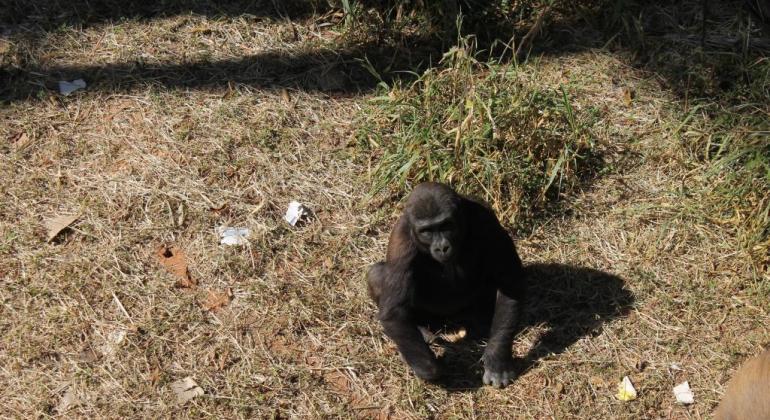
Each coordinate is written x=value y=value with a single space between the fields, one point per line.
x=570 y=302
x=658 y=36
x=46 y=15
x=338 y=69
x=330 y=71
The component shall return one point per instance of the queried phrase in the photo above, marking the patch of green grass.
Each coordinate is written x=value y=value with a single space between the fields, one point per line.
x=484 y=127
x=732 y=140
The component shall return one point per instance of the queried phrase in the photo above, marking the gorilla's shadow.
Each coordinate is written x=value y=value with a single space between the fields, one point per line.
x=571 y=302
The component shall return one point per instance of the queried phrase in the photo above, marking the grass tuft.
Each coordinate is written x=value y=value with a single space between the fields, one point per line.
x=484 y=127
x=731 y=139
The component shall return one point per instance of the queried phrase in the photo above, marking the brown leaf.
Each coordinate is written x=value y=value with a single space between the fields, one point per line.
x=628 y=96
x=223 y=358
x=597 y=382
x=314 y=361
x=155 y=375
x=454 y=336
x=59 y=223
x=175 y=262
x=338 y=382
x=216 y=300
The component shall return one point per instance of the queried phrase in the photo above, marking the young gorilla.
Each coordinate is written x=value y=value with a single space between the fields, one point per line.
x=748 y=392
x=449 y=261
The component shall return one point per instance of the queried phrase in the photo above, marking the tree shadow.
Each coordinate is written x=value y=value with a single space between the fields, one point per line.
x=335 y=72
x=350 y=67
x=47 y=15
x=696 y=48
x=690 y=46
x=571 y=302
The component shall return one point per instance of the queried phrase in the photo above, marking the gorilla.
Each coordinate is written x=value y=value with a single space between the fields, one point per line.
x=449 y=262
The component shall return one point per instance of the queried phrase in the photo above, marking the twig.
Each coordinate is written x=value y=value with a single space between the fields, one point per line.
x=122 y=308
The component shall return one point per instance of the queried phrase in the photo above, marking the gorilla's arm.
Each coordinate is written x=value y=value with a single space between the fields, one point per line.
x=498 y=357
x=411 y=345
x=508 y=276
x=396 y=318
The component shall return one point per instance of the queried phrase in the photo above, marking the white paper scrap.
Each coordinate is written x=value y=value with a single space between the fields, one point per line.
x=233 y=235
x=66 y=88
x=295 y=213
x=684 y=394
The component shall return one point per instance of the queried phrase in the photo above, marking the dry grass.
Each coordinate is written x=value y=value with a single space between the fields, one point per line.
x=93 y=326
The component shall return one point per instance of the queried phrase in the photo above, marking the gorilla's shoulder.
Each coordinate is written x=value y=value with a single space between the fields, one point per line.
x=478 y=207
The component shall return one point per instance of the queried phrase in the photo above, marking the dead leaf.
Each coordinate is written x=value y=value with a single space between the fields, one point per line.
x=454 y=336
x=175 y=261
x=338 y=382
x=58 y=224
x=216 y=300
x=314 y=361
x=185 y=390
x=223 y=359
x=626 y=390
x=628 y=96
x=155 y=375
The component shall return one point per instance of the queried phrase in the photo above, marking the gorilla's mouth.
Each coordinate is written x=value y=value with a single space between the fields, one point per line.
x=441 y=256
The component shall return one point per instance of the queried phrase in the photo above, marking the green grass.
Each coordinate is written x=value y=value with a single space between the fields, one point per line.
x=732 y=140
x=485 y=128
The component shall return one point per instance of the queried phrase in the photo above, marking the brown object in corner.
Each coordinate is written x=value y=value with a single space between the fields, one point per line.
x=748 y=392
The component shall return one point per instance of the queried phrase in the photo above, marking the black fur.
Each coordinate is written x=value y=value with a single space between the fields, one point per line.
x=477 y=283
